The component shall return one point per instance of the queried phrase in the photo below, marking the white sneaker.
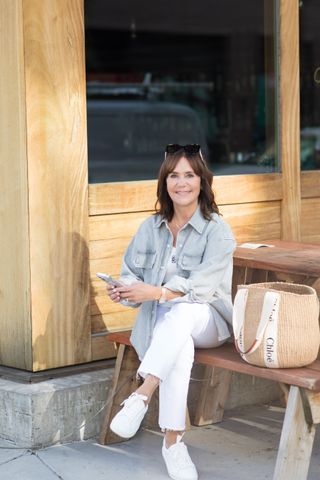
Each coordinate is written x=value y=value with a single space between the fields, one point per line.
x=127 y=422
x=178 y=461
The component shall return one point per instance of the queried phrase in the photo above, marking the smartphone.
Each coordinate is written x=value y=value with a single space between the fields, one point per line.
x=109 y=279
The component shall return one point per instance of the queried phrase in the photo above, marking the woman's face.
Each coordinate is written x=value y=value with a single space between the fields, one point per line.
x=183 y=185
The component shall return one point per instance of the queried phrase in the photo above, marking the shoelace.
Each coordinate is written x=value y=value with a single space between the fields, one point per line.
x=181 y=455
x=134 y=394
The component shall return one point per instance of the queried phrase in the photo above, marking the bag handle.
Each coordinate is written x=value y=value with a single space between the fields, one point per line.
x=270 y=312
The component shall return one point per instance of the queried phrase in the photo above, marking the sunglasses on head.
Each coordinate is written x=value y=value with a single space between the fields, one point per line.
x=191 y=149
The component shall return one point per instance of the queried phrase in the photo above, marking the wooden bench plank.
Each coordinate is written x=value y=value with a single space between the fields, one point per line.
x=120 y=337
x=228 y=358
x=287 y=257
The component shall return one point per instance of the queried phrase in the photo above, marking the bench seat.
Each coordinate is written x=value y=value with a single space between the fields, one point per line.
x=228 y=358
x=302 y=386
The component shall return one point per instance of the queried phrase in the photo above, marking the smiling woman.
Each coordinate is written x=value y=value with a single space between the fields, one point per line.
x=178 y=270
x=193 y=167
x=183 y=187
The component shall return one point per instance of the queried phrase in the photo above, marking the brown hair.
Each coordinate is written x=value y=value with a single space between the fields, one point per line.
x=164 y=205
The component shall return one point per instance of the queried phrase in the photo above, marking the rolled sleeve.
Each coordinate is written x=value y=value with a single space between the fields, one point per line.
x=207 y=277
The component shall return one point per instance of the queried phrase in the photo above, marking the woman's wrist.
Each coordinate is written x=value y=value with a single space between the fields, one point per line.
x=163 y=296
x=157 y=293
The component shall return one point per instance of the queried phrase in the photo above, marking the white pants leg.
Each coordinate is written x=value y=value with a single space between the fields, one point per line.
x=170 y=356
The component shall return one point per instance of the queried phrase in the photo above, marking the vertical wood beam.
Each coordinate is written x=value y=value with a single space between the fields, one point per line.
x=290 y=119
x=15 y=320
x=44 y=277
x=58 y=181
x=270 y=69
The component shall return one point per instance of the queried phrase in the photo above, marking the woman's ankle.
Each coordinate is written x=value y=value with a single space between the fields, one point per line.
x=148 y=387
x=146 y=394
x=171 y=437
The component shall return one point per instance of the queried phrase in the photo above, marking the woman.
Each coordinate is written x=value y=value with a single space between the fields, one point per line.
x=178 y=269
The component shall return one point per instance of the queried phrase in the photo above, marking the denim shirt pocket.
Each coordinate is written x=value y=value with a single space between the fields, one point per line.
x=190 y=262
x=144 y=260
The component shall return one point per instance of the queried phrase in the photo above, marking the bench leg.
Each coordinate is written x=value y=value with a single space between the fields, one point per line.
x=213 y=396
x=151 y=420
x=123 y=384
x=296 y=439
x=238 y=278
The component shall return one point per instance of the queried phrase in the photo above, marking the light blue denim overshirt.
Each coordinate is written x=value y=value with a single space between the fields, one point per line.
x=204 y=269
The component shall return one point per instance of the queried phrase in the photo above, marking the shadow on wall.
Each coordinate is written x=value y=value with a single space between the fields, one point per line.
x=68 y=407
x=64 y=338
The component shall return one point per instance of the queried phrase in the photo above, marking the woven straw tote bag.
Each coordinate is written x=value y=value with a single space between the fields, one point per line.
x=276 y=324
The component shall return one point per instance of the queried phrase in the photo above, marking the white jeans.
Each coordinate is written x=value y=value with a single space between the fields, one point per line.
x=171 y=353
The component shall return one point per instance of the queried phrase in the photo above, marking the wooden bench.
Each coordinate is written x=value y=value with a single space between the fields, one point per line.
x=302 y=411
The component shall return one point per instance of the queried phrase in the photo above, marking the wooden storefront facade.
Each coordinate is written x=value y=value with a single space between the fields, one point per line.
x=57 y=231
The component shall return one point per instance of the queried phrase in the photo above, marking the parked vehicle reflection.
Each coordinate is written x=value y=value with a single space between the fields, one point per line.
x=126 y=138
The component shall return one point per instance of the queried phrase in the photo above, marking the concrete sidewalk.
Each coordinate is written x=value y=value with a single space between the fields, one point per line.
x=242 y=447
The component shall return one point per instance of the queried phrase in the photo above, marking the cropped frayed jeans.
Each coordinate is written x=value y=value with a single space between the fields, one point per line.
x=170 y=356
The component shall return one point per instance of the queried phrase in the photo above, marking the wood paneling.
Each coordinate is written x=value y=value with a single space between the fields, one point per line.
x=232 y=190
x=122 y=197
x=310 y=220
x=109 y=237
x=110 y=234
x=113 y=321
x=310 y=184
x=101 y=348
x=15 y=321
x=109 y=198
x=113 y=227
x=290 y=119
x=57 y=174
x=254 y=222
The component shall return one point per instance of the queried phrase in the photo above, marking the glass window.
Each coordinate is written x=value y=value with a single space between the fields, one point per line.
x=310 y=84
x=180 y=72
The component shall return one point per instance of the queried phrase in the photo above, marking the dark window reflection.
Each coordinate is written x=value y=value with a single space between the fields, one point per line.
x=310 y=84
x=179 y=72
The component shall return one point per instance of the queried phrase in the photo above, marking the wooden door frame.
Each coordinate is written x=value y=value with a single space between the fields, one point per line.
x=289 y=119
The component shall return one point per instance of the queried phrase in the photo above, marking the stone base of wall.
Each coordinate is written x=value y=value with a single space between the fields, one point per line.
x=70 y=408
x=55 y=411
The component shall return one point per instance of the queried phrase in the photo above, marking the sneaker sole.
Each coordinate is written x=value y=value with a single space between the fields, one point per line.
x=115 y=429
x=179 y=478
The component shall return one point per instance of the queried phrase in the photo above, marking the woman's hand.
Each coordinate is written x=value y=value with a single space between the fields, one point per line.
x=113 y=294
x=136 y=293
